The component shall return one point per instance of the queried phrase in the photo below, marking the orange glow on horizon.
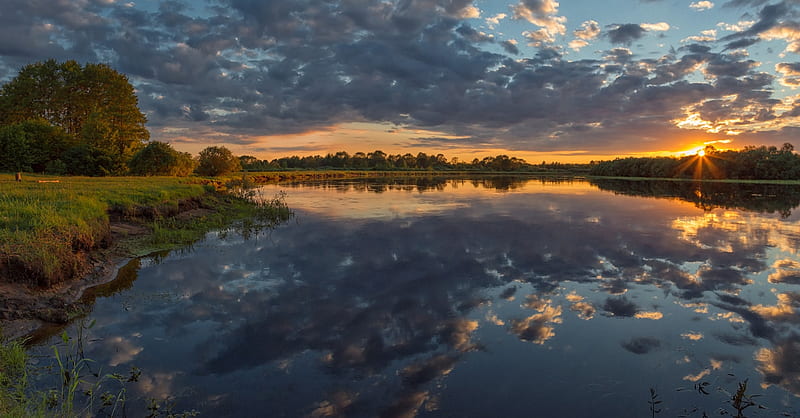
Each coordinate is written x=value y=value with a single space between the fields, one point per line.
x=366 y=137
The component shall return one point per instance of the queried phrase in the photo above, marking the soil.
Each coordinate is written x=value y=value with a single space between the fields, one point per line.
x=23 y=309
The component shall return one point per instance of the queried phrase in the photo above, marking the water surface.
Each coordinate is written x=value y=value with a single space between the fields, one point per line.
x=493 y=297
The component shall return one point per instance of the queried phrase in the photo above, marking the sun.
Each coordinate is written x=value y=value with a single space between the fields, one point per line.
x=701 y=153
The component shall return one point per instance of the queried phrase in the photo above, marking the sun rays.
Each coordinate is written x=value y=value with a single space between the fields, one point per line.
x=702 y=163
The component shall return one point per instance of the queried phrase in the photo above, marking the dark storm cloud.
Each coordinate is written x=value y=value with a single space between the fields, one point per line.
x=768 y=17
x=510 y=47
x=741 y=43
x=625 y=34
x=241 y=68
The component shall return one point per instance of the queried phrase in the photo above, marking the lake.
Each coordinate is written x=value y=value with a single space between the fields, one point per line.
x=484 y=297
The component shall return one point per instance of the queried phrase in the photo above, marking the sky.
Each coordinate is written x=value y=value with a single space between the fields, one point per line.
x=570 y=80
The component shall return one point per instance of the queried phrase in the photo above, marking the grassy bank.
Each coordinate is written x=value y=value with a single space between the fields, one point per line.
x=48 y=227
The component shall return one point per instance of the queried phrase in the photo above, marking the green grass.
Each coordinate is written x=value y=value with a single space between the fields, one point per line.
x=44 y=226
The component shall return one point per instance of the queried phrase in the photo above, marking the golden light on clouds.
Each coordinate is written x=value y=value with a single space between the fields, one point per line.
x=649 y=315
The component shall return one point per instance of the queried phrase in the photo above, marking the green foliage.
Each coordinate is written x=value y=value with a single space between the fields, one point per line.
x=87 y=160
x=15 y=152
x=160 y=159
x=46 y=143
x=217 y=161
x=42 y=223
x=750 y=163
x=68 y=94
x=60 y=106
x=379 y=160
x=75 y=387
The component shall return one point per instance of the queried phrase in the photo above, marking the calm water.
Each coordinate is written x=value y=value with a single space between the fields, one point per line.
x=482 y=298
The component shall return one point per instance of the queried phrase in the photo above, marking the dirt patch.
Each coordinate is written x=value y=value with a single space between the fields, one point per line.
x=193 y=214
x=25 y=307
x=121 y=230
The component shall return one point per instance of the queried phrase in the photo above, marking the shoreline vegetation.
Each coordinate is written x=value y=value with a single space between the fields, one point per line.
x=61 y=235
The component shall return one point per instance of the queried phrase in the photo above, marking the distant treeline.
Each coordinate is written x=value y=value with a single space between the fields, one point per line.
x=750 y=163
x=379 y=160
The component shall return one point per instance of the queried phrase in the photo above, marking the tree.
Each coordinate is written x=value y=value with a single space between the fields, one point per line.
x=47 y=143
x=160 y=159
x=14 y=149
x=32 y=145
x=216 y=161
x=93 y=104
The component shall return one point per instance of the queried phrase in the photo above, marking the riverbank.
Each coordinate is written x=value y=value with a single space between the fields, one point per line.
x=59 y=236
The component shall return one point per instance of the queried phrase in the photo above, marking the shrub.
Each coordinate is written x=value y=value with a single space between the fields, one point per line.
x=160 y=159
x=216 y=161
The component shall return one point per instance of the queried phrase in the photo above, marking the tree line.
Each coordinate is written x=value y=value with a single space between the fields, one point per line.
x=379 y=160
x=749 y=163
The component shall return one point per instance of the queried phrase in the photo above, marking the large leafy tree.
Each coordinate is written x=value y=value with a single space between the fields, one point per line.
x=216 y=161
x=92 y=103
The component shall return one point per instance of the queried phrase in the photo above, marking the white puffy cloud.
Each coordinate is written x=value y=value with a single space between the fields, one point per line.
x=541 y=13
x=655 y=27
x=702 y=5
x=495 y=20
x=538 y=38
x=589 y=29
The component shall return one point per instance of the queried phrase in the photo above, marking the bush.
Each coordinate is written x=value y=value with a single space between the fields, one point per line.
x=160 y=159
x=216 y=161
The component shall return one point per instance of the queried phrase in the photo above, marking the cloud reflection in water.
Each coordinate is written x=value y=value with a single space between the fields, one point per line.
x=364 y=311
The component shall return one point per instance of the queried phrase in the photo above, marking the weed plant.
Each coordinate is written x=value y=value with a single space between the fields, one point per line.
x=75 y=387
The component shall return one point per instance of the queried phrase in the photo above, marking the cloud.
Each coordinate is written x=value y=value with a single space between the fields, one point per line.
x=787 y=31
x=790 y=73
x=769 y=17
x=541 y=13
x=495 y=20
x=701 y=6
x=589 y=30
x=737 y=27
x=510 y=46
x=709 y=35
x=538 y=38
x=244 y=71
x=655 y=27
x=577 y=44
x=625 y=34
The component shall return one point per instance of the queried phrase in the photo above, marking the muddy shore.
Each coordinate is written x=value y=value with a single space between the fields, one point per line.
x=24 y=308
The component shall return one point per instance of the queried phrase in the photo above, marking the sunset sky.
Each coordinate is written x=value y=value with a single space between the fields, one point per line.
x=538 y=79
